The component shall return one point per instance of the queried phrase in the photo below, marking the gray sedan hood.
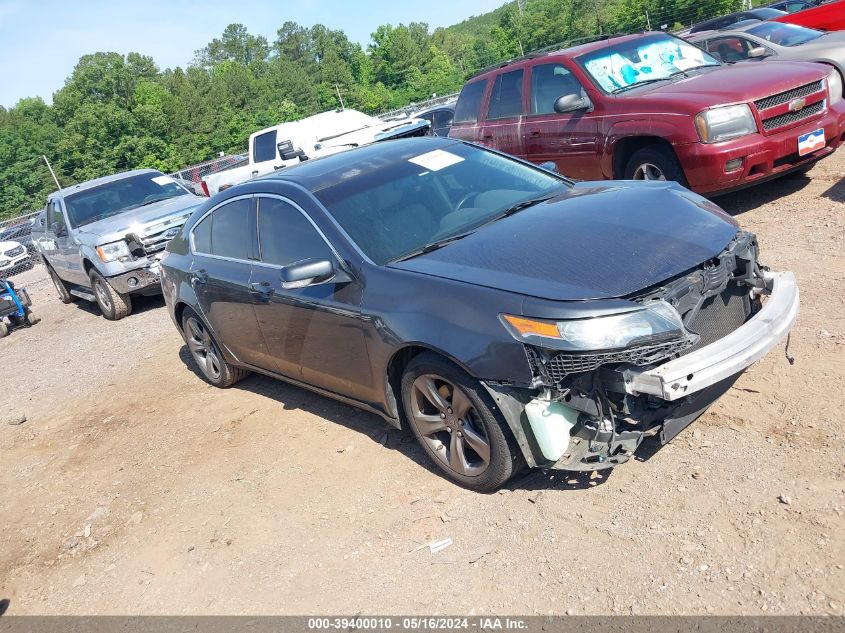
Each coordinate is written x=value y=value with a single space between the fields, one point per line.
x=596 y=241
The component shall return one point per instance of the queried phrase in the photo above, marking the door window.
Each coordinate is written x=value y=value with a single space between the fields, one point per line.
x=730 y=49
x=469 y=102
x=227 y=231
x=549 y=82
x=264 y=147
x=506 y=98
x=442 y=122
x=286 y=236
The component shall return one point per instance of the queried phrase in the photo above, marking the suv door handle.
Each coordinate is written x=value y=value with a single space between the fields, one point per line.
x=200 y=276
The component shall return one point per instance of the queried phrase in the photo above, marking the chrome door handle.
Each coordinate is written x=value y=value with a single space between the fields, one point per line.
x=200 y=276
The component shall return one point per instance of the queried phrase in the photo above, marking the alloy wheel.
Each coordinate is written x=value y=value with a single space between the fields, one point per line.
x=102 y=296
x=203 y=349
x=448 y=423
x=649 y=171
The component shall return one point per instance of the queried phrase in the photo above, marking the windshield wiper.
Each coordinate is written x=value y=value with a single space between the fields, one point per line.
x=432 y=246
x=638 y=84
x=524 y=204
x=686 y=70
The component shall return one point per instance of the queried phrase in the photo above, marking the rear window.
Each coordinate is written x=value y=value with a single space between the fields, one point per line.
x=264 y=148
x=506 y=97
x=469 y=102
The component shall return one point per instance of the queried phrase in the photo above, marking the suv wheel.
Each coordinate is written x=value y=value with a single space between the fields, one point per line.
x=655 y=162
x=113 y=304
x=61 y=287
x=206 y=353
x=449 y=414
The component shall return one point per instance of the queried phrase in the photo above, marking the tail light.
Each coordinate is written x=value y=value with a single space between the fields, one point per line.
x=205 y=189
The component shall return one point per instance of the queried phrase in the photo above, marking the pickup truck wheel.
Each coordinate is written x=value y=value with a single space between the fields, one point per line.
x=654 y=162
x=206 y=353
x=113 y=304
x=61 y=287
x=449 y=414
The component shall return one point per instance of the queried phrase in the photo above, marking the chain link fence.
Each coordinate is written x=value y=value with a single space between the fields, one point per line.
x=191 y=177
x=17 y=250
x=411 y=108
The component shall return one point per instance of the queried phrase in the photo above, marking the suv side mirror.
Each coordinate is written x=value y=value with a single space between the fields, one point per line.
x=306 y=272
x=757 y=52
x=571 y=103
x=549 y=166
x=57 y=229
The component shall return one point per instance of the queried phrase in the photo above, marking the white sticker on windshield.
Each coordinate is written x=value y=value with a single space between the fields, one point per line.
x=163 y=180
x=436 y=160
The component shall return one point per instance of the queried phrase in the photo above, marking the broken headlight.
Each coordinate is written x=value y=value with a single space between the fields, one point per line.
x=656 y=322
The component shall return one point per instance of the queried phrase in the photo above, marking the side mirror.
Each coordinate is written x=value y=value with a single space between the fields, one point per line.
x=305 y=273
x=571 y=103
x=549 y=166
x=57 y=229
x=757 y=52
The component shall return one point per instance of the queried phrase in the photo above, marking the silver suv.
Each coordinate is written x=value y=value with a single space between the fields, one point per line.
x=101 y=240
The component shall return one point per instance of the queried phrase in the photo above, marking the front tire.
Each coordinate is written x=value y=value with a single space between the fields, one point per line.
x=461 y=432
x=113 y=304
x=206 y=353
x=655 y=162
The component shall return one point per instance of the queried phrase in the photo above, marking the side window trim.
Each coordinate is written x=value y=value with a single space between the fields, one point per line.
x=304 y=213
x=205 y=215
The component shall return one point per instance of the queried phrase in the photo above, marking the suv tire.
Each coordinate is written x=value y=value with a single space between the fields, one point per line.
x=449 y=412
x=113 y=304
x=61 y=287
x=655 y=162
x=210 y=362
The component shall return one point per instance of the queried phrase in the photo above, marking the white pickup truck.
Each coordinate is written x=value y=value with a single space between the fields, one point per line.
x=319 y=135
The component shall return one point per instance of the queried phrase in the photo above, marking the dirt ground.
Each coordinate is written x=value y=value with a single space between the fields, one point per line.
x=135 y=488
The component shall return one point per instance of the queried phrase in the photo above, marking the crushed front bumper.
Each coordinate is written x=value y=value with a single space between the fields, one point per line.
x=146 y=279
x=727 y=356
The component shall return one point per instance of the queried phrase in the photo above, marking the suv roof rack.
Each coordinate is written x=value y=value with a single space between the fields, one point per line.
x=547 y=49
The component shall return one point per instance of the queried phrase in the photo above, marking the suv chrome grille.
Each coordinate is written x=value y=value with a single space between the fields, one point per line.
x=14 y=252
x=793 y=117
x=789 y=95
x=156 y=240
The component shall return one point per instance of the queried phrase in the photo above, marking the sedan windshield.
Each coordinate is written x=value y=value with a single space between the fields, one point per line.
x=784 y=34
x=113 y=198
x=414 y=205
x=647 y=59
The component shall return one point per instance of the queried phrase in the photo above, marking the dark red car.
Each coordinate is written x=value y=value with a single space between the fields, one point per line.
x=654 y=107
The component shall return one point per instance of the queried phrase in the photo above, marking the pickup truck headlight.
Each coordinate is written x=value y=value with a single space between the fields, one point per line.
x=727 y=122
x=834 y=86
x=655 y=323
x=114 y=251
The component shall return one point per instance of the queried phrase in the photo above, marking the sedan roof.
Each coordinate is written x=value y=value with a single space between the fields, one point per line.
x=320 y=173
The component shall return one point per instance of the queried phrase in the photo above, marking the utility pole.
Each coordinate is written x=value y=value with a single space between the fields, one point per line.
x=647 y=19
x=337 y=88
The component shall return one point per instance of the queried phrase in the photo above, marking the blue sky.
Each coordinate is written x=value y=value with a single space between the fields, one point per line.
x=41 y=41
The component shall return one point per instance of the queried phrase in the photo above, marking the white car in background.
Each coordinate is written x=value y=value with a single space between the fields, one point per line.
x=13 y=258
x=312 y=137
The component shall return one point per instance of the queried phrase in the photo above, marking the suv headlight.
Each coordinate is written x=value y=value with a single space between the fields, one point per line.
x=113 y=251
x=834 y=86
x=657 y=322
x=725 y=123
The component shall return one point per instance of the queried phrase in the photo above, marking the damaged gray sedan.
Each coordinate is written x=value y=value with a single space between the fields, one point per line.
x=505 y=314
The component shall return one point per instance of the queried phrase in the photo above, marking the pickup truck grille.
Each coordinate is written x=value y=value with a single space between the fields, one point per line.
x=776 y=113
x=157 y=240
x=789 y=95
x=14 y=252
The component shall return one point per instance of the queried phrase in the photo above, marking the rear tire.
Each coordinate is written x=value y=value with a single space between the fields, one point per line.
x=113 y=304
x=210 y=362
x=655 y=162
x=30 y=317
x=61 y=287
x=457 y=426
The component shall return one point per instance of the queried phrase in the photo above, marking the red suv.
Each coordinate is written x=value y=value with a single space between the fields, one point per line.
x=653 y=106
